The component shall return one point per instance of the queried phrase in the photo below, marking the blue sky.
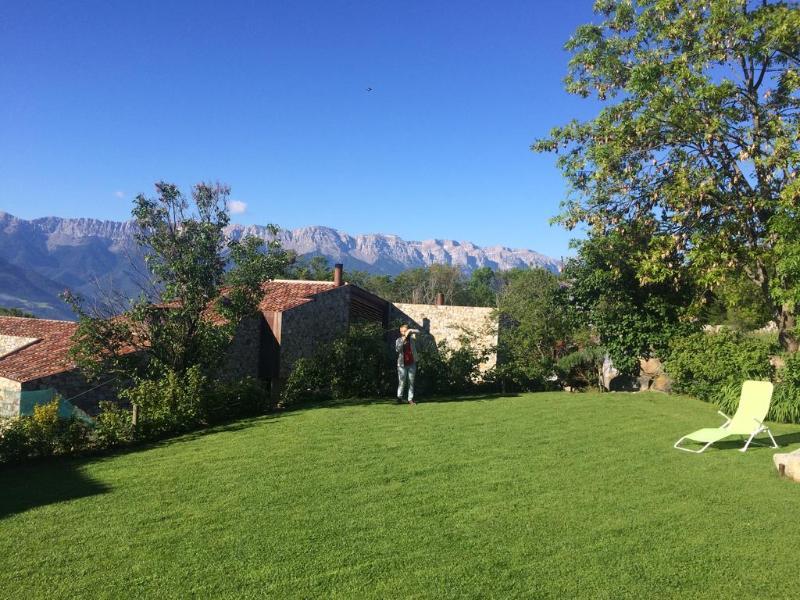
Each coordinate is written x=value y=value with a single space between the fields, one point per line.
x=98 y=100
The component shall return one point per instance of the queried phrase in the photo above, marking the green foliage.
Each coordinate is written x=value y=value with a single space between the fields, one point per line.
x=359 y=363
x=702 y=364
x=113 y=426
x=355 y=365
x=172 y=403
x=15 y=312
x=538 y=330
x=229 y=400
x=309 y=381
x=202 y=284
x=444 y=370
x=315 y=268
x=14 y=444
x=42 y=435
x=362 y=364
x=583 y=368
x=698 y=143
x=420 y=285
x=631 y=318
x=737 y=304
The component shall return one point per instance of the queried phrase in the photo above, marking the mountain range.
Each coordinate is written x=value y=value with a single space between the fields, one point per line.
x=40 y=258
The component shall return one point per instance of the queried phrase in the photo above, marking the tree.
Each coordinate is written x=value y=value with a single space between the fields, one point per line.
x=699 y=141
x=315 y=268
x=532 y=304
x=482 y=288
x=201 y=286
x=630 y=319
x=15 y=312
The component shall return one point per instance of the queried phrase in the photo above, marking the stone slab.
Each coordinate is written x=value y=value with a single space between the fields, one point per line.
x=788 y=465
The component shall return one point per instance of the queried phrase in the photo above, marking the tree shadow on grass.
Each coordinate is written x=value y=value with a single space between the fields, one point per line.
x=40 y=483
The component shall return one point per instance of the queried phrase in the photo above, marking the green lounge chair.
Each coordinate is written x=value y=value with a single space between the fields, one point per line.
x=748 y=420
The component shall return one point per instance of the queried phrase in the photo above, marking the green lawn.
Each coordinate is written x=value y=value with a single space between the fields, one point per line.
x=541 y=495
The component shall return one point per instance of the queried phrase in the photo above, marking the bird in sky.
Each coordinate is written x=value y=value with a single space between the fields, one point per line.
x=369 y=89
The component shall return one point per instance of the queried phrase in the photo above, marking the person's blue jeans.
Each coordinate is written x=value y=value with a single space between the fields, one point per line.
x=406 y=373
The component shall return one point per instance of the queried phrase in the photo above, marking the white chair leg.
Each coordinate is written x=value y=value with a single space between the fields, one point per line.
x=774 y=443
x=747 y=443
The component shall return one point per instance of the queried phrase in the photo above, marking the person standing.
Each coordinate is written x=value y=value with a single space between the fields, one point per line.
x=406 y=349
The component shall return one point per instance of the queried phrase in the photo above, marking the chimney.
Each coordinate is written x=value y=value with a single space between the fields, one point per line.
x=440 y=299
x=338 y=269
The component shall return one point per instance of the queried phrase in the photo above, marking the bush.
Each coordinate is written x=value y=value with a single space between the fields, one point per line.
x=14 y=445
x=582 y=368
x=50 y=435
x=308 y=381
x=444 y=370
x=170 y=404
x=113 y=426
x=361 y=364
x=42 y=434
x=702 y=364
x=228 y=400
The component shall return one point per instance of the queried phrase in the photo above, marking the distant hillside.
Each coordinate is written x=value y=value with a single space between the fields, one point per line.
x=42 y=257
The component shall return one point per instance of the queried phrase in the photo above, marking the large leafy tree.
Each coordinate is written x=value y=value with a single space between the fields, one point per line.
x=629 y=318
x=538 y=329
x=201 y=284
x=697 y=144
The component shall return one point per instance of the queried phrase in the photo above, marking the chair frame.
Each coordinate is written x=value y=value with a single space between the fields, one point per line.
x=759 y=428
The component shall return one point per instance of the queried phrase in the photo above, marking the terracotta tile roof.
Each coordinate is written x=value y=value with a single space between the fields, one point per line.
x=281 y=295
x=49 y=354
x=46 y=356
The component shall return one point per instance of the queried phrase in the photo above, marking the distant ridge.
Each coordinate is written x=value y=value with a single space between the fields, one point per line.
x=39 y=258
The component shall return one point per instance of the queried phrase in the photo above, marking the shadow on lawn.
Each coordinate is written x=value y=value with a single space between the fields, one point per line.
x=41 y=483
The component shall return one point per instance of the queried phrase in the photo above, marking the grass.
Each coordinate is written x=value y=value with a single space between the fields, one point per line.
x=542 y=495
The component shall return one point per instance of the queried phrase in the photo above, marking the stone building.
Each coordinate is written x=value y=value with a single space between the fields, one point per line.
x=294 y=319
x=34 y=355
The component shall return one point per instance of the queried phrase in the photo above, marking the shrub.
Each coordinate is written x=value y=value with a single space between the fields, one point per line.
x=583 y=367
x=42 y=434
x=445 y=370
x=49 y=435
x=308 y=381
x=229 y=400
x=790 y=373
x=702 y=364
x=113 y=426
x=361 y=364
x=14 y=445
x=171 y=404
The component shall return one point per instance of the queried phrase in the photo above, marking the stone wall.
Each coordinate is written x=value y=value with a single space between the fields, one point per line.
x=9 y=397
x=450 y=323
x=72 y=386
x=303 y=328
x=242 y=357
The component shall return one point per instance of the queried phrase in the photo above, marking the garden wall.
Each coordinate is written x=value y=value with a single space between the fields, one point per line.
x=450 y=323
x=9 y=397
x=72 y=386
